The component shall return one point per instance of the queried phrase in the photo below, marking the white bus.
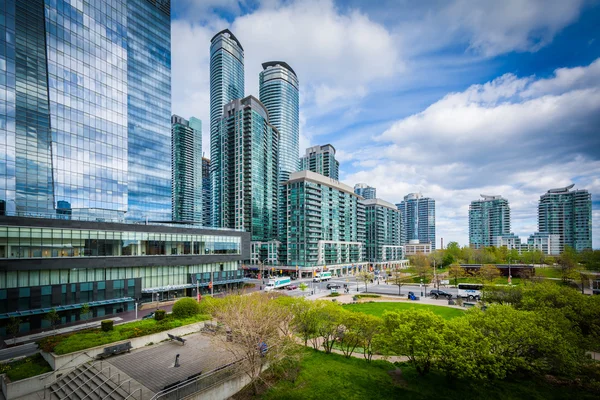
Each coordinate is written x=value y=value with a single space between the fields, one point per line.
x=323 y=276
x=471 y=291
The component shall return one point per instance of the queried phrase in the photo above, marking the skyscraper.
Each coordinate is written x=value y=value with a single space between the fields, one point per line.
x=568 y=214
x=279 y=92
x=187 y=169
x=383 y=229
x=206 y=192
x=488 y=218
x=418 y=219
x=226 y=84
x=321 y=159
x=82 y=126
x=247 y=166
x=366 y=191
x=326 y=222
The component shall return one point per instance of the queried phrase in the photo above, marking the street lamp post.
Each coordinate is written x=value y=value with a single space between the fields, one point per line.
x=509 y=273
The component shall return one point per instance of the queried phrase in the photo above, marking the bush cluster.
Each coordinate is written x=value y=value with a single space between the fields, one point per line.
x=159 y=315
x=107 y=325
x=186 y=307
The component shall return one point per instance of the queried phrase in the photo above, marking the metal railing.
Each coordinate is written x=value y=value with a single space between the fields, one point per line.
x=69 y=380
x=80 y=386
x=131 y=395
x=199 y=383
x=117 y=388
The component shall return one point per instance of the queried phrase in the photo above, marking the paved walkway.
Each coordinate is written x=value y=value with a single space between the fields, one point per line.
x=154 y=366
x=347 y=298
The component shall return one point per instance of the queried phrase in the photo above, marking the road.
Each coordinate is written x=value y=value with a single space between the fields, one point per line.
x=18 y=351
x=358 y=287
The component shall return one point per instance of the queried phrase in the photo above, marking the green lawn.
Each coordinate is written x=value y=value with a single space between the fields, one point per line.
x=548 y=272
x=25 y=368
x=64 y=344
x=331 y=376
x=378 y=308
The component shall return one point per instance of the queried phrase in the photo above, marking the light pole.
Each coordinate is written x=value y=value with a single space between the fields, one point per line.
x=509 y=273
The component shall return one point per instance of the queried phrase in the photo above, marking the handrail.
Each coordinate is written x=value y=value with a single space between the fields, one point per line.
x=80 y=386
x=112 y=391
x=140 y=389
x=73 y=378
x=99 y=386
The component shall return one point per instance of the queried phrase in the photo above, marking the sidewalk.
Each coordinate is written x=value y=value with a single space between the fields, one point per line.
x=348 y=298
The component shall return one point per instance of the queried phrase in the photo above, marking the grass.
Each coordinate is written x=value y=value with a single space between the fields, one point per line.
x=25 y=368
x=379 y=308
x=548 y=272
x=64 y=344
x=331 y=376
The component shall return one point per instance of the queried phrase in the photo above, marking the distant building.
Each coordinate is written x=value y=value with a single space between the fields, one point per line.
x=568 y=214
x=383 y=229
x=510 y=241
x=488 y=218
x=321 y=160
x=418 y=219
x=366 y=191
x=186 y=158
x=247 y=166
x=414 y=247
x=547 y=243
x=206 y=193
x=325 y=222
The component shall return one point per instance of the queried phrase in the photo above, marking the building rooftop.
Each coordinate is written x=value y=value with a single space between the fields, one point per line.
x=229 y=34
x=285 y=65
x=379 y=202
x=321 y=179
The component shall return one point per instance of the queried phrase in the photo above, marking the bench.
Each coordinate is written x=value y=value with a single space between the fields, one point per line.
x=117 y=349
x=468 y=305
x=178 y=338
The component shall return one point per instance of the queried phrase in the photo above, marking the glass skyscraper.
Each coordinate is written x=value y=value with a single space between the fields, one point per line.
x=488 y=218
x=226 y=84
x=568 y=214
x=247 y=165
x=366 y=191
x=321 y=159
x=84 y=126
x=279 y=92
x=325 y=222
x=206 y=192
x=383 y=229
x=418 y=219
x=187 y=169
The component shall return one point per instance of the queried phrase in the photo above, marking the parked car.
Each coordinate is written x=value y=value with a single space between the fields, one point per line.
x=149 y=316
x=435 y=293
x=333 y=286
x=292 y=287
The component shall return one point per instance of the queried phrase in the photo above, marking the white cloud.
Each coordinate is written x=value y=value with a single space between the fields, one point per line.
x=517 y=137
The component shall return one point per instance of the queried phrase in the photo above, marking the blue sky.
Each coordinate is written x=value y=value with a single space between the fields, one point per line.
x=452 y=98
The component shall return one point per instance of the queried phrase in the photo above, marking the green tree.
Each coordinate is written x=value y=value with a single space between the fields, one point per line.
x=567 y=264
x=304 y=322
x=13 y=326
x=399 y=279
x=416 y=334
x=456 y=271
x=453 y=250
x=422 y=267
x=303 y=286
x=369 y=327
x=330 y=323
x=84 y=311
x=365 y=276
x=488 y=273
x=52 y=317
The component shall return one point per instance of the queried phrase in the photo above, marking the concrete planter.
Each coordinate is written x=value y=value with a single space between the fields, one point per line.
x=72 y=360
x=13 y=390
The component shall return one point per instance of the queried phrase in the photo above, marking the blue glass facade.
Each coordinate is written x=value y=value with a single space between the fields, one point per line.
x=187 y=169
x=85 y=108
x=149 y=109
x=226 y=84
x=418 y=219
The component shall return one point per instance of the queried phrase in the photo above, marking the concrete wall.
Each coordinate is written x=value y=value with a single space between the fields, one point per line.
x=77 y=358
x=222 y=390
x=13 y=390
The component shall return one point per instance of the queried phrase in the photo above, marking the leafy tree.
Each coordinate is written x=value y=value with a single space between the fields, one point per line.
x=369 y=327
x=13 y=326
x=399 y=279
x=453 y=250
x=456 y=271
x=590 y=259
x=84 y=311
x=256 y=335
x=512 y=295
x=52 y=317
x=488 y=273
x=513 y=256
x=448 y=260
x=303 y=286
x=567 y=264
x=305 y=319
x=423 y=269
x=365 y=276
x=416 y=334
x=330 y=325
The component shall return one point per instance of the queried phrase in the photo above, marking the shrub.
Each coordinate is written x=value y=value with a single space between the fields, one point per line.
x=107 y=325
x=367 y=296
x=159 y=315
x=333 y=295
x=186 y=307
